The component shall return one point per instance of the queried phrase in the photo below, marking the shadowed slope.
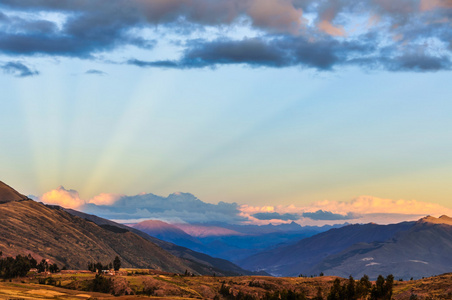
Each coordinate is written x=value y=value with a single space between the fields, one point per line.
x=423 y=250
x=168 y=232
x=408 y=249
x=200 y=262
x=301 y=257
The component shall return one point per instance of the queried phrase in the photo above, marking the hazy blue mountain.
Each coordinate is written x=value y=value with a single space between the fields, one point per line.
x=231 y=242
x=301 y=257
x=423 y=250
x=170 y=233
x=196 y=260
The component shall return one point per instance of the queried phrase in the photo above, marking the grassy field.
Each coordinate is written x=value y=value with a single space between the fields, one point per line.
x=145 y=284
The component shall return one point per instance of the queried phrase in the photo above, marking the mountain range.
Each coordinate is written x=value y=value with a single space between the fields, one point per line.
x=73 y=239
x=407 y=249
x=231 y=242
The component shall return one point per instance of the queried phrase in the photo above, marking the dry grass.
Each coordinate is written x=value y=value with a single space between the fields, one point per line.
x=173 y=286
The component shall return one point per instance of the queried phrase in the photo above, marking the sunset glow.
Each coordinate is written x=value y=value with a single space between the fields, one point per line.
x=275 y=106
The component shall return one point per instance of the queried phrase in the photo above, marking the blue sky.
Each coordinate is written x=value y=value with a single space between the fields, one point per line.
x=266 y=103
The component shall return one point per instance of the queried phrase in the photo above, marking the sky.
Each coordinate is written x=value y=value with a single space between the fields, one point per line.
x=276 y=107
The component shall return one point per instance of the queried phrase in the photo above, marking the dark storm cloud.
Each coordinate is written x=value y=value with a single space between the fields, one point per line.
x=322 y=215
x=85 y=30
x=285 y=36
x=18 y=69
x=157 y=64
x=276 y=216
x=279 y=15
x=256 y=52
x=22 y=25
x=419 y=62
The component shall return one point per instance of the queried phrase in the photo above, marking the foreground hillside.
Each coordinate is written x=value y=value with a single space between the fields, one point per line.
x=159 y=285
x=73 y=239
x=49 y=232
x=28 y=227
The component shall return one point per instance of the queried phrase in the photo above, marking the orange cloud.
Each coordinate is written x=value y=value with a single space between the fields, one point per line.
x=61 y=196
x=105 y=199
x=372 y=205
x=365 y=208
x=71 y=198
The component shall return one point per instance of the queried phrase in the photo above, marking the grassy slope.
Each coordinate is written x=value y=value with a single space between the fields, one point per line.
x=169 y=286
x=30 y=227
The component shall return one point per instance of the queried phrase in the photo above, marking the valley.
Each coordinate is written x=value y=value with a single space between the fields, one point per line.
x=414 y=253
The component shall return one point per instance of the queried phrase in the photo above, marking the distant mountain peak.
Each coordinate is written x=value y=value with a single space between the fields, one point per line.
x=441 y=220
x=8 y=194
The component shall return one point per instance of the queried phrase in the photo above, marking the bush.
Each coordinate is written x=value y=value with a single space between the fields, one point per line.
x=101 y=284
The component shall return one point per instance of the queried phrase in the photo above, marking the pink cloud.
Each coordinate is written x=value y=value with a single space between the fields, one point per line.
x=326 y=17
x=105 y=199
x=273 y=15
x=370 y=204
x=434 y=4
x=365 y=208
x=279 y=15
x=329 y=28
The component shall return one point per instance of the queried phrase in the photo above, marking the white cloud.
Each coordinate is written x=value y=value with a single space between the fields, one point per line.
x=182 y=207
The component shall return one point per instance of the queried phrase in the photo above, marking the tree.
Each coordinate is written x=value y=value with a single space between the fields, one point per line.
x=319 y=295
x=363 y=287
x=53 y=268
x=42 y=266
x=117 y=263
x=350 y=289
x=33 y=261
x=389 y=283
x=336 y=291
x=16 y=267
x=91 y=267
x=99 y=267
x=382 y=290
x=101 y=284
